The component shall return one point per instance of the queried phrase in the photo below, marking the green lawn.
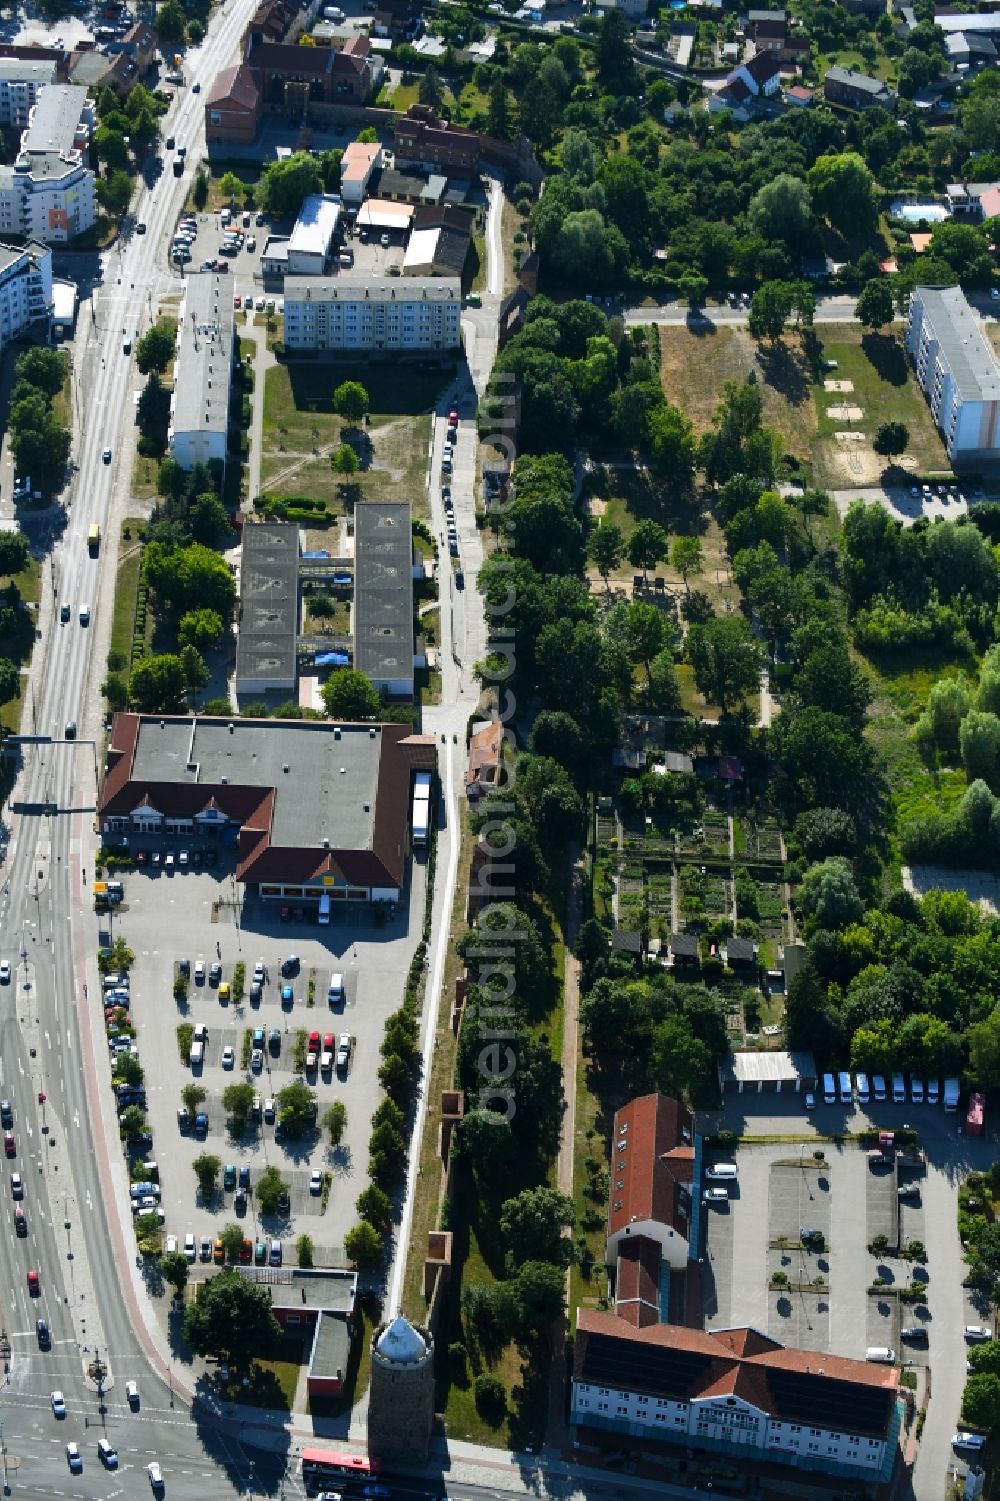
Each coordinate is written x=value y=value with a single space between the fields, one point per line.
x=17 y=647
x=126 y=587
x=884 y=388
x=302 y=430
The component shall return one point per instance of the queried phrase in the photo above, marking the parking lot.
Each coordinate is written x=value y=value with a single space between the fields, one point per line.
x=190 y=914
x=207 y=244
x=789 y=1253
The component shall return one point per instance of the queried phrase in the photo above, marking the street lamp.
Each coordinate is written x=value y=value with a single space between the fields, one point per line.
x=98 y=1373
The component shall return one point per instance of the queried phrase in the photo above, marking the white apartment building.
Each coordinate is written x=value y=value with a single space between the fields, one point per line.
x=48 y=194
x=957 y=371
x=21 y=80
x=25 y=289
x=735 y=1392
x=199 y=408
x=355 y=313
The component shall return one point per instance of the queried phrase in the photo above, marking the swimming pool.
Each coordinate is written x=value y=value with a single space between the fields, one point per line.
x=934 y=213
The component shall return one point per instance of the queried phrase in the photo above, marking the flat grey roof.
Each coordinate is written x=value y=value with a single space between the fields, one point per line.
x=324 y=783
x=204 y=361
x=750 y=1068
x=331 y=1346
x=269 y=616
x=357 y=289
x=55 y=118
x=987 y=20
x=961 y=342
x=333 y=1289
x=27 y=70
x=383 y=589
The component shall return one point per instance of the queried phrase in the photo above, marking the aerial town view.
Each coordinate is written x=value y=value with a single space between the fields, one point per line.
x=500 y=750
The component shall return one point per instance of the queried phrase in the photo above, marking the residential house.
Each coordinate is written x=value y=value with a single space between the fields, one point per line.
x=767 y=29
x=485 y=759
x=760 y=77
x=853 y=90
x=422 y=140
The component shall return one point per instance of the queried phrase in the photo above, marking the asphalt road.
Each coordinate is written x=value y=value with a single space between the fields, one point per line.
x=47 y=932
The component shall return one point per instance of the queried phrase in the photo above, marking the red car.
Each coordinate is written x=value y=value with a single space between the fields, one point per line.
x=34 y=1285
x=20 y=1220
x=328 y=1043
x=452 y=417
x=314 y=1042
x=286 y=913
x=246 y=1251
x=9 y=1144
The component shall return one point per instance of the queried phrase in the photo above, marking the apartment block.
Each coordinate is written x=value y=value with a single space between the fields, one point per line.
x=21 y=80
x=48 y=194
x=957 y=371
x=25 y=288
x=199 y=411
x=422 y=313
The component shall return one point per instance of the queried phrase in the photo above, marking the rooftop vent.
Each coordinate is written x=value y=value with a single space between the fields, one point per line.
x=371 y=734
x=326 y=842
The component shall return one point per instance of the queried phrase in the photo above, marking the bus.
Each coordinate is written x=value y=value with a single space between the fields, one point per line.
x=321 y=1465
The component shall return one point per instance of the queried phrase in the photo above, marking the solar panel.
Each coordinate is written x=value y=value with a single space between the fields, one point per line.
x=631 y=1366
x=824 y=1402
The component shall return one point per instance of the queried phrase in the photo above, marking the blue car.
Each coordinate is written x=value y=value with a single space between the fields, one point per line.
x=287 y=996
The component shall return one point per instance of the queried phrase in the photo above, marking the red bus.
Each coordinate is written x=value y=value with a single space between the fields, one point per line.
x=321 y=1465
x=974 y=1119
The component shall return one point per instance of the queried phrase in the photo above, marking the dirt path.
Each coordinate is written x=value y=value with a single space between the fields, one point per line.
x=557 y=1433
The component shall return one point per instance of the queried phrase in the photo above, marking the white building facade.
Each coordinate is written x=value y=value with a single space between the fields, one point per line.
x=25 y=289
x=957 y=371
x=344 y=313
x=21 y=80
x=737 y=1392
x=312 y=237
x=49 y=193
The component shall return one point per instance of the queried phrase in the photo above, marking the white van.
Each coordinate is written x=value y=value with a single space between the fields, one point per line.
x=933 y=1091
x=952 y=1090
x=878 y=1086
x=225 y=217
x=324 y=910
x=335 y=994
x=197 y=1054
x=829 y=1090
x=846 y=1092
x=898 y=1089
x=861 y=1084
x=881 y=1354
x=916 y=1090
x=722 y=1171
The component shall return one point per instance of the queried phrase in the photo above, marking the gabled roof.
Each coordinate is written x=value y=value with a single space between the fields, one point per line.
x=652 y=1164
x=485 y=750
x=762 y=67
x=289 y=60
x=689 y=1365
x=234 y=86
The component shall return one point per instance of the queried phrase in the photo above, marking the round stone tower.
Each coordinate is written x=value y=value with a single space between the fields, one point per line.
x=401 y=1395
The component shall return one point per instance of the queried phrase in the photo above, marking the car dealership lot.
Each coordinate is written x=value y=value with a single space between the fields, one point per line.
x=190 y=914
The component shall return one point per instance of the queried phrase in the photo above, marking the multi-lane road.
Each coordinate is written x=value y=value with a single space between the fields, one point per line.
x=76 y=1241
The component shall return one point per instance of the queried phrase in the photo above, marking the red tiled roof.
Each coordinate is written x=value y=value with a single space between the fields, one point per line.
x=484 y=750
x=637 y=1279
x=234 y=86
x=653 y=1167
x=285 y=58
x=253 y=808
x=732 y=1362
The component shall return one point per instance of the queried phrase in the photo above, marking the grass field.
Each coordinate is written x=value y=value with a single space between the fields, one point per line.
x=126 y=587
x=695 y=366
x=301 y=431
x=17 y=647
